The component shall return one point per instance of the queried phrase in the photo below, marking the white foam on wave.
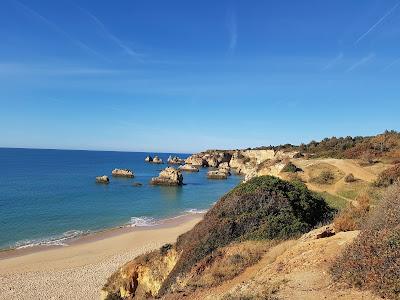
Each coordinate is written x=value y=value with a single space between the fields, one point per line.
x=196 y=211
x=52 y=241
x=142 y=222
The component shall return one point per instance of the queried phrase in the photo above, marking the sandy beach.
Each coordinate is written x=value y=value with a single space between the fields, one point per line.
x=79 y=270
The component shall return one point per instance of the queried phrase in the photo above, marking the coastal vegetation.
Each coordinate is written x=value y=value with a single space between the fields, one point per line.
x=265 y=208
x=372 y=261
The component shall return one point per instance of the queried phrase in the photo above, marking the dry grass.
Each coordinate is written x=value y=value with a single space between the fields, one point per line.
x=353 y=216
x=373 y=260
x=226 y=263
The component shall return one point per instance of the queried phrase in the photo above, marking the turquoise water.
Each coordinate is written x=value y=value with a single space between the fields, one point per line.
x=47 y=196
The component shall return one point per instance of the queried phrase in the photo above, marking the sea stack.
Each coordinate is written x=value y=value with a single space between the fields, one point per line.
x=102 y=179
x=157 y=160
x=175 y=160
x=122 y=173
x=170 y=176
x=148 y=158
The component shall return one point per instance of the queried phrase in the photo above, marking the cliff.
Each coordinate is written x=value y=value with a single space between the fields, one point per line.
x=265 y=209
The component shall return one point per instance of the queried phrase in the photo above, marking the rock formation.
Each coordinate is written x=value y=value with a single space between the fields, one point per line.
x=148 y=158
x=175 y=160
x=195 y=160
x=217 y=174
x=122 y=173
x=103 y=179
x=157 y=160
x=188 y=168
x=169 y=176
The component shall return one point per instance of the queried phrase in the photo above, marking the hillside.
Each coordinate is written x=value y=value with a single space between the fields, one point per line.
x=261 y=240
x=264 y=209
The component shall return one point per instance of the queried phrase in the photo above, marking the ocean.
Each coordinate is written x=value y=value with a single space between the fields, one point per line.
x=50 y=196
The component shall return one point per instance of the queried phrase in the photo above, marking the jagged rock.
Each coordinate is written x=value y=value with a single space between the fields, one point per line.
x=103 y=179
x=195 y=160
x=122 y=173
x=212 y=161
x=169 y=176
x=175 y=160
x=148 y=158
x=188 y=168
x=218 y=174
x=157 y=160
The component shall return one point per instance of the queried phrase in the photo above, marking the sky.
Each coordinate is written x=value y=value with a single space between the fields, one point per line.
x=185 y=76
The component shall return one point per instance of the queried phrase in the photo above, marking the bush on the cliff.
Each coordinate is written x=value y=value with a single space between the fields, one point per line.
x=353 y=216
x=388 y=176
x=325 y=177
x=372 y=261
x=265 y=207
x=291 y=168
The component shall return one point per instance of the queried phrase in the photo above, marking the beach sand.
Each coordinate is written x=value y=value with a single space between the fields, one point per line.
x=78 y=271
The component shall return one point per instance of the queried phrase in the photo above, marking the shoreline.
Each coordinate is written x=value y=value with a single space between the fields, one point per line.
x=100 y=235
x=79 y=271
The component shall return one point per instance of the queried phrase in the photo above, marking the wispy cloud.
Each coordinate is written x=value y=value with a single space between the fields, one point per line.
x=112 y=37
x=396 y=61
x=232 y=30
x=361 y=62
x=334 y=61
x=377 y=23
x=62 y=32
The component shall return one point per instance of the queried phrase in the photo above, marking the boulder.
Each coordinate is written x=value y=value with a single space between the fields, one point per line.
x=169 y=176
x=122 y=173
x=188 y=168
x=175 y=160
x=148 y=158
x=157 y=160
x=102 y=179
x=218 y=174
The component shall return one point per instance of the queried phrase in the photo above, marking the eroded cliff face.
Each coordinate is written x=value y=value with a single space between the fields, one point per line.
x=249 y=163
x=142 y=277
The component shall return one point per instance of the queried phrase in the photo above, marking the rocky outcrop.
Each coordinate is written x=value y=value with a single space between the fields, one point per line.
x=169 y=176
x=122 y=173
x=175 y=160
x=217 y=174
x=188 y=168
x=196 y=160
x=137 y=184
x=102 y=179
x=148 y=158
x=157 y=160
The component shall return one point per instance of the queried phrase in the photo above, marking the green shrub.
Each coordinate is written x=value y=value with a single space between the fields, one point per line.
x=325 y=177
x=372 y=261
x=264 y=208
x=291 y=168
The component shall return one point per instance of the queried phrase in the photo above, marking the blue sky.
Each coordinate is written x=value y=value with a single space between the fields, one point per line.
x=190 y=75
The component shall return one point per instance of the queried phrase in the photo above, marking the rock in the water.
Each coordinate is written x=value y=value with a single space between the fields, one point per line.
x=122 y=173
x=218 y=174
x=103 y=179
x=137 y=184
x=195 y=160
x=175 y=160
x=188 y=168
x=148 y=158
x=169 y=176
x=157 y=160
